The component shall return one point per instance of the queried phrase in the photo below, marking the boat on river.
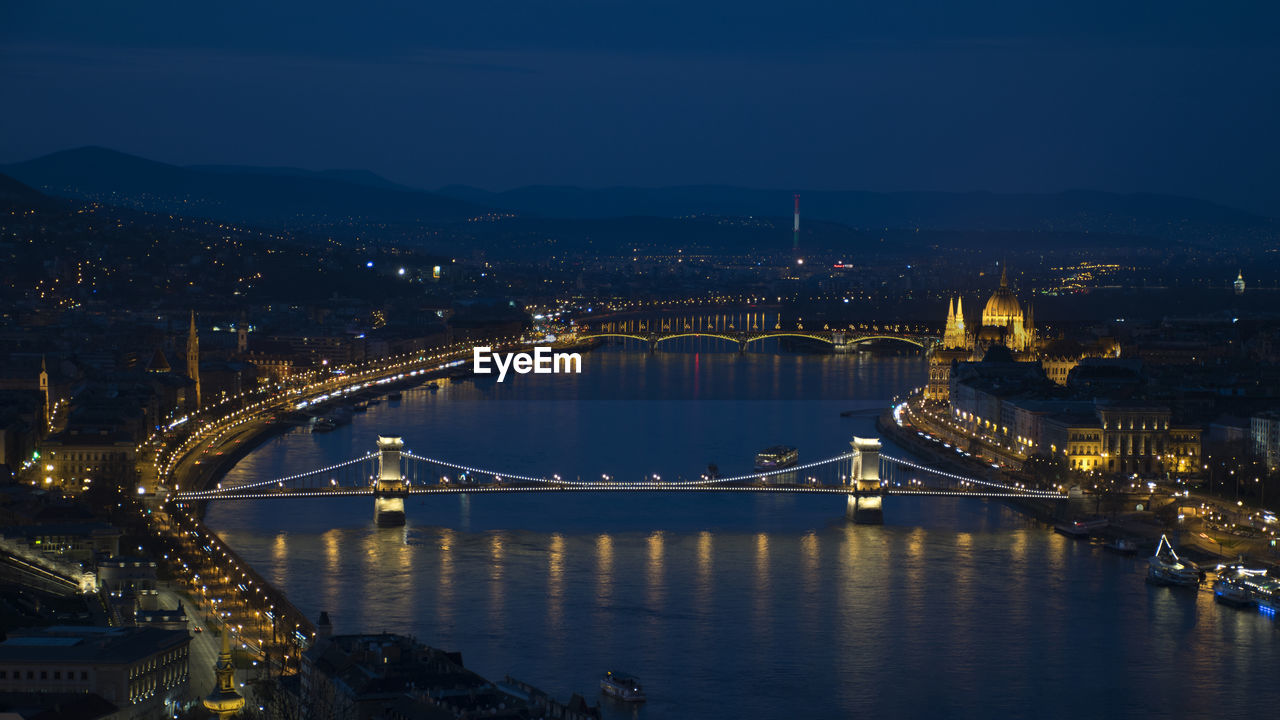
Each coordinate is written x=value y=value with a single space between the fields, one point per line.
x=623 y=686
x=1122 y=546
x=1166 y=568
x=1241 y=586
x=1266 y=594
x=777 y=457
x=1232 y=592
x=1080 y=528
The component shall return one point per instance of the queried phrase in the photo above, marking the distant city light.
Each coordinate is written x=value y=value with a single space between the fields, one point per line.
x=401 y=272
x=369 y=264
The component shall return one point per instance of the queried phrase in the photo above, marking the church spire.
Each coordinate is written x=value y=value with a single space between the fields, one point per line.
x=1004 y=274
x=224 y=701
x=44 y=390
x=954 y=335
x=193 y=357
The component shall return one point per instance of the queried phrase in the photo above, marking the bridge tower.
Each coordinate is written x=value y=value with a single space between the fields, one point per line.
x=840 y=342
x=864 y=478
x=389 y=490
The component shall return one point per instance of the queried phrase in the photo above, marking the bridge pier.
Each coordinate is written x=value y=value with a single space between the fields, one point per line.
x=389 y=490
x=839 y=343
x=864 y=478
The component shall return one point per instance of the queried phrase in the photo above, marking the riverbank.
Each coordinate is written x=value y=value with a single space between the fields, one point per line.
x=1124 y=518
x=216 y=578
x=1046 y=511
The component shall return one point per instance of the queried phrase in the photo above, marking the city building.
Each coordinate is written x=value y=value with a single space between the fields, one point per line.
x=1096 y=424
x=129 y=585
x=73 y=460
x=143 y=671
x=394 y=676
x=193 y=360
x=1003 y=323
x=1264 y=432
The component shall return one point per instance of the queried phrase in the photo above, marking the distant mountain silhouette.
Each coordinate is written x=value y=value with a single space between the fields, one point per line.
x=275 y=197
x=11 y=189
x=373 y=207
x=356 y=177
x=1076 y=210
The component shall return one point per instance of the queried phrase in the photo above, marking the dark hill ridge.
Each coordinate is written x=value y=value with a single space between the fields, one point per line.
x=364 y=204
x=263 y=197
x=11 y=189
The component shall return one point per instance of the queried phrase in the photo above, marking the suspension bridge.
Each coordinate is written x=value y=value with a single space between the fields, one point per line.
x=747 y=327
x=389 y=475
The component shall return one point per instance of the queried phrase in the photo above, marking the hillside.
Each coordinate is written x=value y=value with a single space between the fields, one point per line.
x=278 y=199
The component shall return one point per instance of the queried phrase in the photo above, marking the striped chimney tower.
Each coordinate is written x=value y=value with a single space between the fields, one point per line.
x=795 y=240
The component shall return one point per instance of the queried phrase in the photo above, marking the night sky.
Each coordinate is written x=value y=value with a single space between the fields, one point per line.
x=1017 y=95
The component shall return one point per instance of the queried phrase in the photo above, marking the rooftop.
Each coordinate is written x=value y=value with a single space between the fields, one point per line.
x=88 y=644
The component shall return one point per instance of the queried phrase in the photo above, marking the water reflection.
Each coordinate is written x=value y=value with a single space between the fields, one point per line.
x=655 y=589
x=762 y=590
x=444 y=578
x=555 y=584
x=333 y=567
x=497 y=588
x=280 y=557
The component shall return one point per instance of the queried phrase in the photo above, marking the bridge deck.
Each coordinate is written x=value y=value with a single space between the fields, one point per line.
x=230 y=494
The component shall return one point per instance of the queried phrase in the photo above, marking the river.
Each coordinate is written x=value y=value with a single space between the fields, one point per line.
x=735 y=606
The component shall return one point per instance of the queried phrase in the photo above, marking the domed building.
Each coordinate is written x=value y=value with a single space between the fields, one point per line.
x=1007 y=324
x=1003 y=322
x=1003 y=307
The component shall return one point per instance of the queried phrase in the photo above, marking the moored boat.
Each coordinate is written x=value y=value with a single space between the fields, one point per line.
x=1166 y=568
x=777 y=457
x=1122 y=546
x=1232 y=592
x=1264 y=591
x=1268 y=602
x=623 y=686
x=1080 y=528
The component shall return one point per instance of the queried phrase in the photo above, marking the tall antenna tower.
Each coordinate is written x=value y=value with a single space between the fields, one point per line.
x=795 y=240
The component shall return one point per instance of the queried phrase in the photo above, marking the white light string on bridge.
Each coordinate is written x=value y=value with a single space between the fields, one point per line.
x=479 y=471
x=771 y=473
x=646 y=483
x=969 y=493
x=294 y=492
x=961 y=478
x=196 y=495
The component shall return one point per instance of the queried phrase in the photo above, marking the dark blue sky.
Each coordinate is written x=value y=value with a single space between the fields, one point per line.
x=1180 y=97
